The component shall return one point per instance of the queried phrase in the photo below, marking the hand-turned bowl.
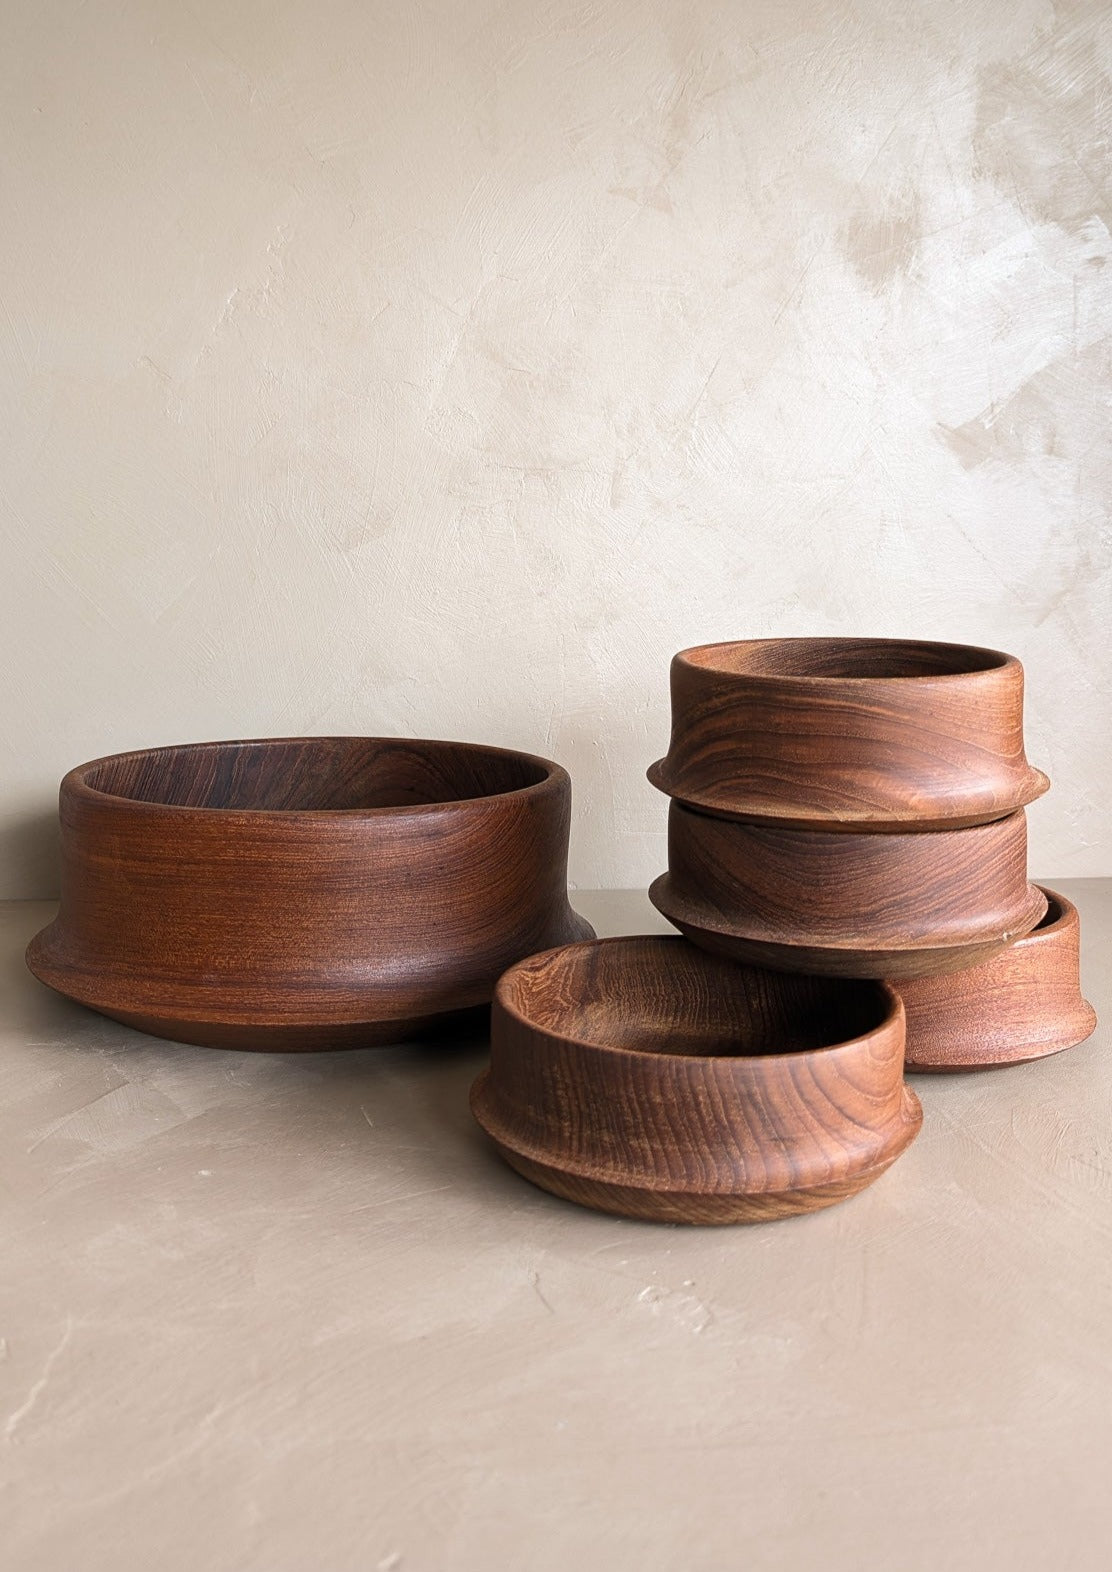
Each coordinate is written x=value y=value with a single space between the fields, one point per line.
x=1024 y=1003
x=305 y=893
x=897 y=905
x=848 y=734
x=645 y=1077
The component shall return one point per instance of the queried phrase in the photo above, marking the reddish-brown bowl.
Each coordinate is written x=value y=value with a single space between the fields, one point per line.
x=848 y=734
x=644 y=1077
x=305 y=893
x=1024 y=1003
x=897 y=905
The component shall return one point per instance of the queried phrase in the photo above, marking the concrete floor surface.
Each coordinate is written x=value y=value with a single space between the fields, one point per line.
x=281 y=1313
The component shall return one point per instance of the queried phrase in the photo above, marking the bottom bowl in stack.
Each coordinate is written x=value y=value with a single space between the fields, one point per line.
x=646 y=1077
x=1024 y=1003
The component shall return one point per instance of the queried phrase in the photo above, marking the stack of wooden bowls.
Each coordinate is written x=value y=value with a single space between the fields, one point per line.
x=855 y=808
x=848 y=861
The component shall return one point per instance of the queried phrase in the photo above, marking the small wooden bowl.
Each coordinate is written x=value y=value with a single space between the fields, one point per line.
x=304 y=893
x=1024 y=1003
x=848 y=734
x=645 y=1077
x=899 y=905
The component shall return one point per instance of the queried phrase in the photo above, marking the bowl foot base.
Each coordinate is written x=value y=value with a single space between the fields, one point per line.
x=265 y=1038
x=820 y=961
x=961 y=1058
x=676 y=1206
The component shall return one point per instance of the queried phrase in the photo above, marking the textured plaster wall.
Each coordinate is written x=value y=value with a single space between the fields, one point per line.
x=442 y=367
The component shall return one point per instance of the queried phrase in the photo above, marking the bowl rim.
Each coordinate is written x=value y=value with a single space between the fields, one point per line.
x=1049 y=927
x=893 y=1016
x=554 y=779
x=999 y=660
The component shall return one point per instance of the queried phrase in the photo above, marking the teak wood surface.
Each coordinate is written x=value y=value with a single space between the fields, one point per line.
x=1024 y=1003
x=305 y=893
x=854 y=734
x=853 y=905
x=645 y=1077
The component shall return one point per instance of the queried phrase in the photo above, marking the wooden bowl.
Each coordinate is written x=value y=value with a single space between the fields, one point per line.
x=1024 y=1003
x=898 y=905
x=304 y=893
x=645 y=1077
x=848 y=734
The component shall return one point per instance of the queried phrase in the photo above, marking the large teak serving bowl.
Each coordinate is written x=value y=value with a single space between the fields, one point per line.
x=304 y=893
x=854 y=734
x=1024 y=1003
x=645 y=1077
x=898 y=905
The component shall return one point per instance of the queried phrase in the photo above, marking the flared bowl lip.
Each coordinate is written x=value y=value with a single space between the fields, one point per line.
x=708 y=918
x=1028 y=787
x=890 y=1138
x=989 y=661
x=554 y=780
x=893 y=1015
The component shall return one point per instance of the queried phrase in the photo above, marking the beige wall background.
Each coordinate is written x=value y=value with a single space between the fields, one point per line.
x=441 y=368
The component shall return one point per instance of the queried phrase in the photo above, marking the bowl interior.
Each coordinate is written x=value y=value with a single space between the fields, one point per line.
x=316 y=774
x=662 y=995
x=844 y=658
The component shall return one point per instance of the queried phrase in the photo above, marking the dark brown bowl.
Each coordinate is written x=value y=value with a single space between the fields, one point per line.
x=898 y=905
x=305 y=893
x=644 y=1077
x=1024 y=1003
x=848 y=734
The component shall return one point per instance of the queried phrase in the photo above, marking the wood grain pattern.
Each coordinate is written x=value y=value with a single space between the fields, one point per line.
x=305 y=893
x=853 y=734
x=1024 y=1003
x=645 y=1077
x=896 y=905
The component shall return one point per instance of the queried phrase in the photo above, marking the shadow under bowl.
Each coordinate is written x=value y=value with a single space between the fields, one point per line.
x=894 y=906
x=644 y=1077
x=1024 y=1003
x=305 y=893
x=853 y=734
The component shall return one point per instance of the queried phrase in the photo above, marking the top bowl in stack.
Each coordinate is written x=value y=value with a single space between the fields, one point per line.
x=835 y=756
x=848 y=734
